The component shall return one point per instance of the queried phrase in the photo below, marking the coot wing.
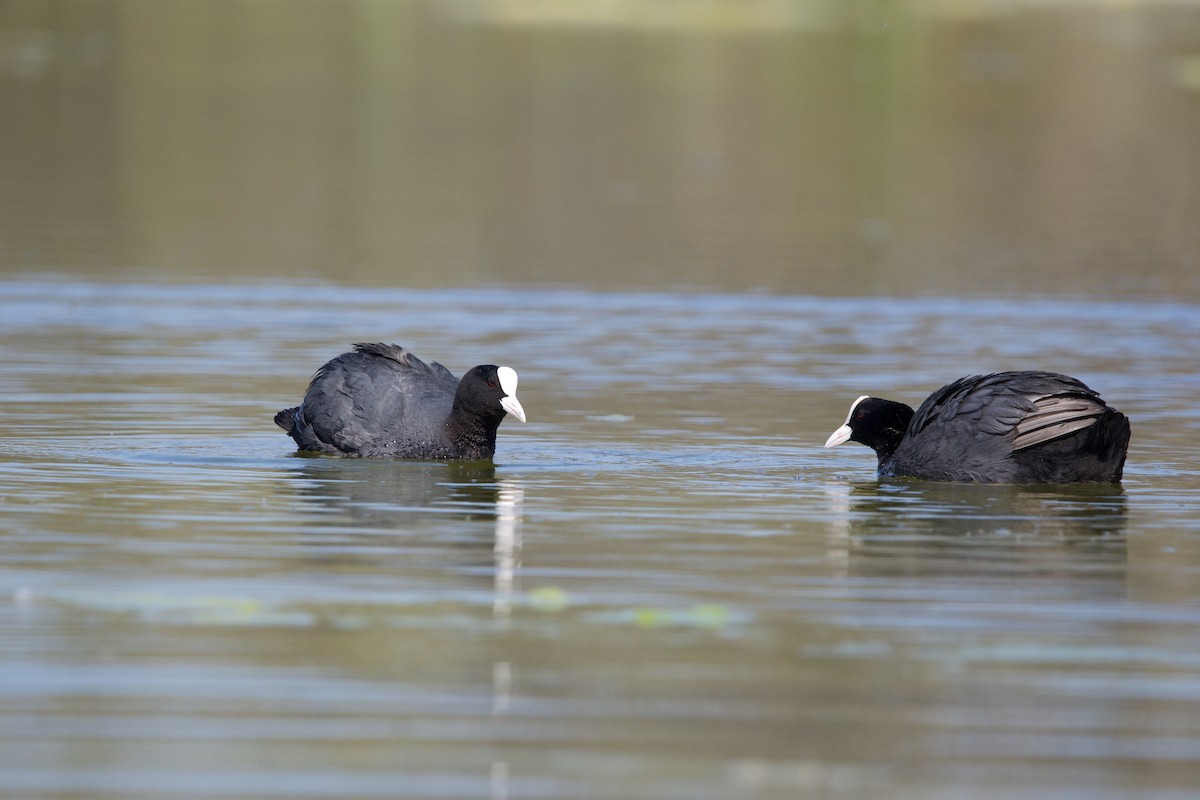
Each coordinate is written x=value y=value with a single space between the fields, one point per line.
x=1057 y=415
x=1023 y=409
x=378 y=396
x=976 y=402
x=963 y=431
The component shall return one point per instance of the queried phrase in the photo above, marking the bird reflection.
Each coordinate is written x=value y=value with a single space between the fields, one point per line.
x=923 y=528
x=392 y=494
x=376 y=495
x=410 y=503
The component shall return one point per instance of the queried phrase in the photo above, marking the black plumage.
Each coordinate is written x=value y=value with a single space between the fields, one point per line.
x=1007 y=427
x=381 y=401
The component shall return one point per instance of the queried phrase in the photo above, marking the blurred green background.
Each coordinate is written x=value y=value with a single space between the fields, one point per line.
x=836 y=147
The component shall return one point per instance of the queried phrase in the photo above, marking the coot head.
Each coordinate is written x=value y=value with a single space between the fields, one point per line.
x=489 y=392
x=879 y=424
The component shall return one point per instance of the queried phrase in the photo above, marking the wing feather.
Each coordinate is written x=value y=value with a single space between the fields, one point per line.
x=374 y=393
x=1055 y=416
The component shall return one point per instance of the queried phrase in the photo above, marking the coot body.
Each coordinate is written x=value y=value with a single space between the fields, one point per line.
x=381 y=401
x=1007 y=427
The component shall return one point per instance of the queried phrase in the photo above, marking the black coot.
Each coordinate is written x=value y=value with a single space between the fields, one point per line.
x=381 y=401
x=1008 y=427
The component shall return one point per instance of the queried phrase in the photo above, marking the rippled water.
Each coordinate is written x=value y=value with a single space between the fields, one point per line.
x=664 y=587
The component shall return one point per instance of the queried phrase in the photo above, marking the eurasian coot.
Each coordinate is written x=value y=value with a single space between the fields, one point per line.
x=1008 y=427
x=381 y=401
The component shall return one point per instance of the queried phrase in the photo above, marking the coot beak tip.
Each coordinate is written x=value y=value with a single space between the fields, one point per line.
x=840 y=436
x=512 y=405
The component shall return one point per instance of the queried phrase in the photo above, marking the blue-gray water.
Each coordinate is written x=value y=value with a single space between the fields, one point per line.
x=664 y=587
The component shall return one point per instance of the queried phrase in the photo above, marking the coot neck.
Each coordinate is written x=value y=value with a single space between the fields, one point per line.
x=473 y=436
x=888 y=424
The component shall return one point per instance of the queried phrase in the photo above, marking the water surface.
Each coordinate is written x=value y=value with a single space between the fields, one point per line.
x=663 y=587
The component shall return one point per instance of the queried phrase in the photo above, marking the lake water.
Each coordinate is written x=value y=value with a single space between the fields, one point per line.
x=663 y=587
x=698 y=231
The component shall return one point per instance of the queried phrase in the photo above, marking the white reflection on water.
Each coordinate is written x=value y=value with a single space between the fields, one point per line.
x=508 y=547
x=837 y=496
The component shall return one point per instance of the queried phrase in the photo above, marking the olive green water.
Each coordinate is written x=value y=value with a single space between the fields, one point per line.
x=697 y=237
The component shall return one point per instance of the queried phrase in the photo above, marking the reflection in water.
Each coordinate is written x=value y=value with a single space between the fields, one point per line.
x=949 y=509
x=510 y=497
x=923 y=528
x=508 y=561
x=391 y=494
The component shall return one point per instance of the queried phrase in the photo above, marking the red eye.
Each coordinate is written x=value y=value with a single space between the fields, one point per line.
x=491 y=384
